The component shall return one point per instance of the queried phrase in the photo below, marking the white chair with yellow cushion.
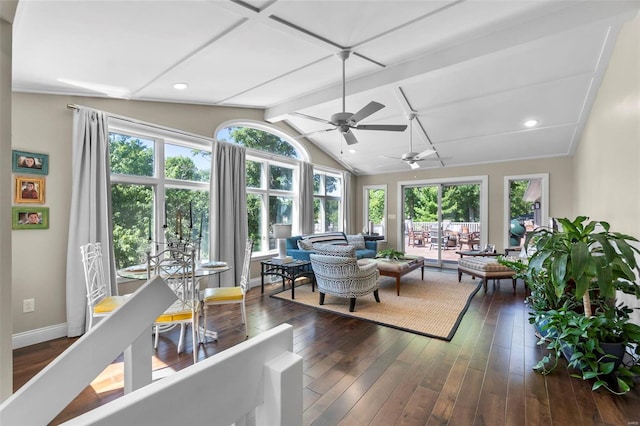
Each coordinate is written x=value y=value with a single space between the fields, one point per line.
x=227 y=295
x=177 y=268
x=99 y=302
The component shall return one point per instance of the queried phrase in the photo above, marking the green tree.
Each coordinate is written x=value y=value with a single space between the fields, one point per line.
x=130 y=156
x=376 y=205
x=461 y=203
x=181 y=168
x=132 y=205
x=519 y=207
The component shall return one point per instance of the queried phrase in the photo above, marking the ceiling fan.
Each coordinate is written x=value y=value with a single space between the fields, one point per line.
x=412 y=158
x=345 y=121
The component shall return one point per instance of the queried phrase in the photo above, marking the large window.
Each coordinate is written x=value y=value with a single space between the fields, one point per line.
x=327 y=199
x=375 y=209
x=272 y=187
x=159 y=192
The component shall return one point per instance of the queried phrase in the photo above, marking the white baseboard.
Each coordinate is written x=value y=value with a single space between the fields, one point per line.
x=39 y=335
x=31 y=337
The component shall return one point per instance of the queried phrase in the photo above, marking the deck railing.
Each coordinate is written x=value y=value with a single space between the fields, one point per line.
x=452 y=226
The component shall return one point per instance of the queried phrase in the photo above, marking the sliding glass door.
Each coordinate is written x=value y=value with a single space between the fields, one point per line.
x=440 y=218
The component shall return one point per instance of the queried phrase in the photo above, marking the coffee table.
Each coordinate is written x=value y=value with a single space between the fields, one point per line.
x=398 y=268
x=289 y=271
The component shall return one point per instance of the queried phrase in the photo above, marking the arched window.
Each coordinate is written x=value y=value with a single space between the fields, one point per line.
x=262 y=137
x=273 y=160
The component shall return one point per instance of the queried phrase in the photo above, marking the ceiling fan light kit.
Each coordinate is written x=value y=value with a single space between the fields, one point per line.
x=345 y=121
x=411 y=157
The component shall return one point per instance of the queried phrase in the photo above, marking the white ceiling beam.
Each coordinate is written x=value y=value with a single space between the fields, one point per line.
x=578 y=14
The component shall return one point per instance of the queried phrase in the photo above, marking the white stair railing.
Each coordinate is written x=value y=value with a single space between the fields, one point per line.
x=258 y=381
x=127 y=329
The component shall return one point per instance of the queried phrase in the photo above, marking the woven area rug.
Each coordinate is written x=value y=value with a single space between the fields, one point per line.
x=433 y=307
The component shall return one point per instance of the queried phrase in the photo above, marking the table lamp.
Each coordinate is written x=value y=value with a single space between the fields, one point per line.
x=281 y=232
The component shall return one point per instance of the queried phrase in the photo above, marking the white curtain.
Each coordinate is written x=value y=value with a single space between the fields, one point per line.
x=346 y=202
x=306 y=216
x=228 y=224
x=90 y=215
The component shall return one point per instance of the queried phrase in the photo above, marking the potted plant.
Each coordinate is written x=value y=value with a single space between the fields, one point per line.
x=390 y=254
x=574 y=275
x=603 y=346
x=579 y=260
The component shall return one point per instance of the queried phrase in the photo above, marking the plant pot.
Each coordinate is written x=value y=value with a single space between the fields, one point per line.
x=540 y=331
x=615 y=349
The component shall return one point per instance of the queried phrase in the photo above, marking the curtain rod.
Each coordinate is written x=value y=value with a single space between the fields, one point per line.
x=143 y=123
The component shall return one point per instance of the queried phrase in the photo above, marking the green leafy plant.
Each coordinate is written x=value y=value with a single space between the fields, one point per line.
x=390 y=254
x=573 y=275
x=579 y=259
x=583 y=341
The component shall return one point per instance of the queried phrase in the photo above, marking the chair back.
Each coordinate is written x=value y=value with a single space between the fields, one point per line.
x=93 y=273
x=177 y=268
x=246 y=269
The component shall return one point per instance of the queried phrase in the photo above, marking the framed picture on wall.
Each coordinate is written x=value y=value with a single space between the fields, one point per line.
x=25 y=217
x=29 y=189
x=29 y=162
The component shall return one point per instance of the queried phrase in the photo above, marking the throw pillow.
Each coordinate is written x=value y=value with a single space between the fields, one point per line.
x=335 y=250
x=357 y=241
x=326 y=238
x=305 y=245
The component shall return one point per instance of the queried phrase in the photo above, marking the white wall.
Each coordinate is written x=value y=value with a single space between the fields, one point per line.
x=7 y=12
x=606 y=171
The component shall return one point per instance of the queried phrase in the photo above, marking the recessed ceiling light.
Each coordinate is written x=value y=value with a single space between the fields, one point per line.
x=352 y=151
x=531 y=123
x=180 y=86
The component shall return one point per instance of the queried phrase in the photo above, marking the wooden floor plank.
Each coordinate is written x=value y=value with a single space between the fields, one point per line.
x=419 y=407
x=493 y=397
x=464 y=409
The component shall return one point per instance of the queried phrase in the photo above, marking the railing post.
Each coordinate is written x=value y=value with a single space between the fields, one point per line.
x=137 y=363
x=282 y=392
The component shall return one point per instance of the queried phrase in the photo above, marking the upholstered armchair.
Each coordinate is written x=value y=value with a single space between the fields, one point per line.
x=338 y=274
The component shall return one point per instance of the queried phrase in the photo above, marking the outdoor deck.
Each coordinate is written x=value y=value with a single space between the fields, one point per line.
x=431 y=255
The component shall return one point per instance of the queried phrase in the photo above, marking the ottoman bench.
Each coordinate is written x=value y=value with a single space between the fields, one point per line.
x=398 y=268
x=485 y=268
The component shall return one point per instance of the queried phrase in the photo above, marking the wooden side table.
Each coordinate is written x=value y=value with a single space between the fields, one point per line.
x=476 y=253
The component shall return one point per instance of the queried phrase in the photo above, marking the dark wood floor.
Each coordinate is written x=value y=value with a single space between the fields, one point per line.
x=358 y=373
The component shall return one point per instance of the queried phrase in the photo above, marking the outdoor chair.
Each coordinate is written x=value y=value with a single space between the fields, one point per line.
x=416 y=238
x=470 y=239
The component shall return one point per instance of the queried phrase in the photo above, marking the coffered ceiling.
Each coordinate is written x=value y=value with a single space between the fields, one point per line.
x=474 y=71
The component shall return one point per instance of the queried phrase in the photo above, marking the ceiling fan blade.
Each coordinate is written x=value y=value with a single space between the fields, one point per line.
x=314 y=133
x=387 y=127
x=425 y=154
x=310 y=117
x=369 y=109
x=350 y=138
x=390 y=158
x=434 y=159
